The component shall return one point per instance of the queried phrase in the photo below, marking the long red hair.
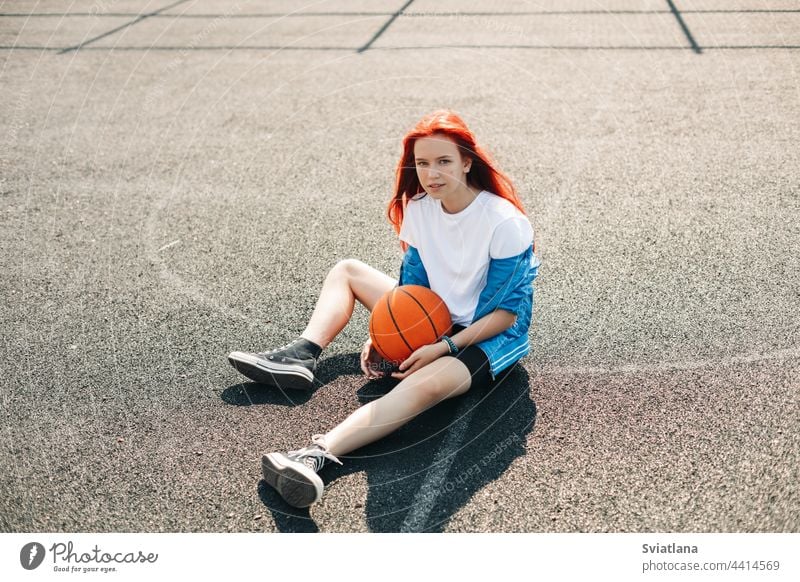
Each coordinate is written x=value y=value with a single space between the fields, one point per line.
x=483 y=172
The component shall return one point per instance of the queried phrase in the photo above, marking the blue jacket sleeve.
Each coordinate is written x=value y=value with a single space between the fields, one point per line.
x=508 y=285
x=412 y=271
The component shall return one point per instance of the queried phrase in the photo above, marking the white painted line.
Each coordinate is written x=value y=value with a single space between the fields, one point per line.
x=166 y=246
x=428 y=493
x=425 y=499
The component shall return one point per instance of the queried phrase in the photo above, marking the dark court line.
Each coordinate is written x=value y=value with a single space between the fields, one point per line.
x=117 y=29
x=403 y=48
x=405 y=14
x=384 y=27
x=695 y=47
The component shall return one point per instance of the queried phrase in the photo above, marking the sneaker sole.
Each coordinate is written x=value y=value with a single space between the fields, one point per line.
x=297 y=484
x=290 y=376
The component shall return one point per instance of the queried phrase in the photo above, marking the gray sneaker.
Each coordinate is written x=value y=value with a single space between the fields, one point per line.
x=284 y=367
x=294 y=474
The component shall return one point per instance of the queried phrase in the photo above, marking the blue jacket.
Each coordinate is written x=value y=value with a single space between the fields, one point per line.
x=509 y=286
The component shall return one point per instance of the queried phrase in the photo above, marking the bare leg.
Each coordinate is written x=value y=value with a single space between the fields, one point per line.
x=347 y=281
x=441 y=379
x=294 y=474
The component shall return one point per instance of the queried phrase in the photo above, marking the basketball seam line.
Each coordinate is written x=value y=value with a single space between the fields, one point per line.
x=425 y=311
x=397 y=327
x=375 y=336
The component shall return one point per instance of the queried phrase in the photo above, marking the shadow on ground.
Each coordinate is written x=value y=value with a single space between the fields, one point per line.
x=421 y=475
x=328 y=370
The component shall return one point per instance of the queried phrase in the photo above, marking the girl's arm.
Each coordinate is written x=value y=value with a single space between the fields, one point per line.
x=487 y=326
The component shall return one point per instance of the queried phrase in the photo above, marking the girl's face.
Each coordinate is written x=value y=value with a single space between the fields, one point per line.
x=440 y=168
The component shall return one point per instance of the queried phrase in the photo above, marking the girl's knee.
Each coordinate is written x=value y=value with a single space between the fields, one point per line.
x=346 y=268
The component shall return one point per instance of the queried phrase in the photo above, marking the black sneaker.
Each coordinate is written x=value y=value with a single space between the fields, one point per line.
x=294 y=474
x=291 y=366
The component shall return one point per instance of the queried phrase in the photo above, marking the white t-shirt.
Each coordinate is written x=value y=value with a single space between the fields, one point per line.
x=456 y=248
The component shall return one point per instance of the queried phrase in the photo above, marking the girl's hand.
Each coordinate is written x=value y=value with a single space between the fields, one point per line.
x=372 y=364
x=421 y=358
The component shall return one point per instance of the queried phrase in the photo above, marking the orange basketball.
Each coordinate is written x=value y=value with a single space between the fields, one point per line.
x=405 y=319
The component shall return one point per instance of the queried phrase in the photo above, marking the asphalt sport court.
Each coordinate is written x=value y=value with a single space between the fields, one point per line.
x=178 y=178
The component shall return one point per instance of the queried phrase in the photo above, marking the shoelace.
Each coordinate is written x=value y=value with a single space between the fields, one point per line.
x=314 y=456
x=271 y=354
x=276 y=350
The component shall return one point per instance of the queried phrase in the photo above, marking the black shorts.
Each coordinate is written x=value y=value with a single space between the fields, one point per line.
x=477 y=362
